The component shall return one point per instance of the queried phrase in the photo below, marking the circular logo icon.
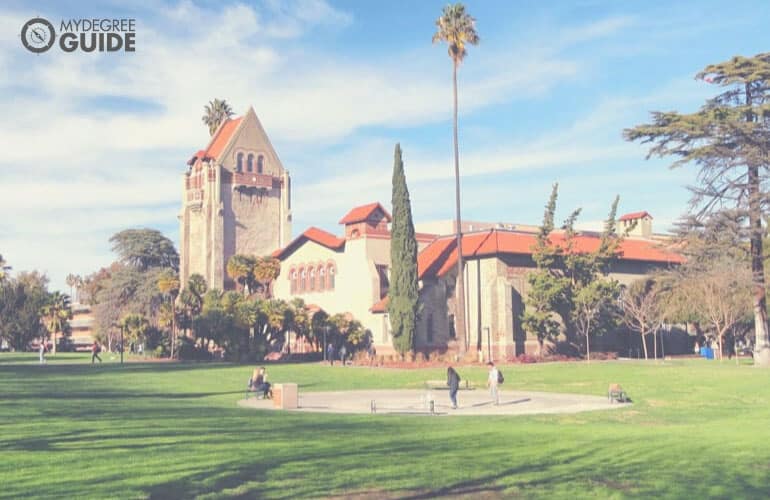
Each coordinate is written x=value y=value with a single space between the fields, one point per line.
x=38 y=35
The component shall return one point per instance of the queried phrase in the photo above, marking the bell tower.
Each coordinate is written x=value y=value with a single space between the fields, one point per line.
x=236 y=199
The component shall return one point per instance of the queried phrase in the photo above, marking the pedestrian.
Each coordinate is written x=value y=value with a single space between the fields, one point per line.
x=453 y=381
x=330 y=353
x=492 y=381
x=42 y=351
x=372 y=354
x=95 y=350
x=343 y=354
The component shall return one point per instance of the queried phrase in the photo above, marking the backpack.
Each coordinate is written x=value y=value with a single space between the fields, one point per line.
x=500 y=378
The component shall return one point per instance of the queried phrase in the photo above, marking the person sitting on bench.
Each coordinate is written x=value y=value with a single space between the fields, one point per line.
x=258 y=382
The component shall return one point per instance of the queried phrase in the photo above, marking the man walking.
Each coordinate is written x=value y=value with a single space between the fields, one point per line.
x=42 y=351
x=330 y=353
x=95 y=350
x=492 y=381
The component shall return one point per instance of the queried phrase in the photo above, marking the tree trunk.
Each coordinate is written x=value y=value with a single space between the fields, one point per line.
x=762 y=339
x=173 y=326
x=53 y=349
x=644 y=345
x=588 y=349
x=719 y=346
x=655 y=345
x=460 y=289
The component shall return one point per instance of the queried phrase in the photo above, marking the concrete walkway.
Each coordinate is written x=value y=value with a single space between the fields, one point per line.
x=473 y=402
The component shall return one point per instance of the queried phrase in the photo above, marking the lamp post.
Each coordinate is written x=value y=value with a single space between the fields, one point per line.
x=121 y=344
x=489 y=342
x=323 y=347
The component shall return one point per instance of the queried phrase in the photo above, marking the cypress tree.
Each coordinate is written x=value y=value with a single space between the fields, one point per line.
x=403 y=293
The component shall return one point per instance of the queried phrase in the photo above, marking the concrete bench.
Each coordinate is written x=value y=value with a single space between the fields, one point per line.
x=285 y=396
x=441 y=384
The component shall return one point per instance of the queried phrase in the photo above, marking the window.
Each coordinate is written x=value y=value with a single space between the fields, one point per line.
x=429 y=327
x=239 y=166
x=311 y=280
x=331 y=277
x=293 y=281
x=260 y=164
x=382 y=273
x=302 y=276
x=250 y=163
x=321 y=279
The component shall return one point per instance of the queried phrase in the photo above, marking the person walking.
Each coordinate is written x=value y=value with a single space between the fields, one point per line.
x=330 y=353
x=42 y=351
x=492 y=381
x=453 y=381
x=372 y=354
x=95 y=350
x=343 y=354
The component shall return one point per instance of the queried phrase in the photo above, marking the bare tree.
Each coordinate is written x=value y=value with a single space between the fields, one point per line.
x=642 y=310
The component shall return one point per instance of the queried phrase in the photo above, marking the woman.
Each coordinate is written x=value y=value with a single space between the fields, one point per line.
x=453 y=381
x=258 y=382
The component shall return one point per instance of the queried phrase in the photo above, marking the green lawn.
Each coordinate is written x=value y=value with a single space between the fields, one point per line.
x=69 y=429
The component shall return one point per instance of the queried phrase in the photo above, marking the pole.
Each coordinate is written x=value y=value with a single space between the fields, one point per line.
x=323 y=347
x=121 y=344
x=489 y=342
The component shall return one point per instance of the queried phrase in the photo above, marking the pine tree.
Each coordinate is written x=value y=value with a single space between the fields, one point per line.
x=728 y=139
x=403 y=293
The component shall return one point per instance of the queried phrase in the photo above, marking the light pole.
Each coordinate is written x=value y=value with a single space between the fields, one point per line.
x=323 y=347
x=489 y=342
x=121 y=344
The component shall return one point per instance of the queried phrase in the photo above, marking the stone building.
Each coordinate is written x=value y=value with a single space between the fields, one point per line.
x=497 y=261
x=236 y=199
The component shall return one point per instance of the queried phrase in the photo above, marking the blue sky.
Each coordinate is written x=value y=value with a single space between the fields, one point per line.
x=97 y=143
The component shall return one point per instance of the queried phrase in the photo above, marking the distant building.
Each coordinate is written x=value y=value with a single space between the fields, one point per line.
x=82 y=326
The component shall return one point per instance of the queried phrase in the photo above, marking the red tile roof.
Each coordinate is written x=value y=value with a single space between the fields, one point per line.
x=635 y=215
x=380 y=307
x=362 y=213
x=312 y=234
x=441 y=255
x=218 y=142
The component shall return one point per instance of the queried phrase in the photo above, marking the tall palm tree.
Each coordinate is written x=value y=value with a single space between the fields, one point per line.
x=57 y=312
x=71 y=280
x=457 y=28
x=217 y=111
x=4 y=269
x=266 y=271
x=168 y=284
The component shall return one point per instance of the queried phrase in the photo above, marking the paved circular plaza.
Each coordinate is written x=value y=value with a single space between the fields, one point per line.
x=471 y=402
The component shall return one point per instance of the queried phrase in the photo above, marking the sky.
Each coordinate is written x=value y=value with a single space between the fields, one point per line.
x=96 y=143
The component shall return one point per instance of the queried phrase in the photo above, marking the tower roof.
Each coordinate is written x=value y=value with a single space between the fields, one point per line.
x=362 y=213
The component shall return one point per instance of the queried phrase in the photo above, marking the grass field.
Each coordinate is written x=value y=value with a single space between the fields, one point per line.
x=69 y=429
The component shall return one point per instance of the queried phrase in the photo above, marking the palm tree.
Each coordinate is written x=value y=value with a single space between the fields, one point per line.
x=241 y=269
x=217 y=111
x=71 y=280
x=168 y=284
x=57 y=312
x=457 y=29
x=265 y=272
x=4 y=268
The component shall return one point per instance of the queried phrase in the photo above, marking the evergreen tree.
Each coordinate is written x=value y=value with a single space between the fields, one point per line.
x=728 y=139
x=403 y=293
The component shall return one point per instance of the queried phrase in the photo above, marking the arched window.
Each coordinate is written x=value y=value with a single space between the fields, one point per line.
x=321 y=279
x=239 y=166
x=250 y=163
x=330 y=284
x=311 y=280
x=302 y=280
x=260 y=164
x=293 y=281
